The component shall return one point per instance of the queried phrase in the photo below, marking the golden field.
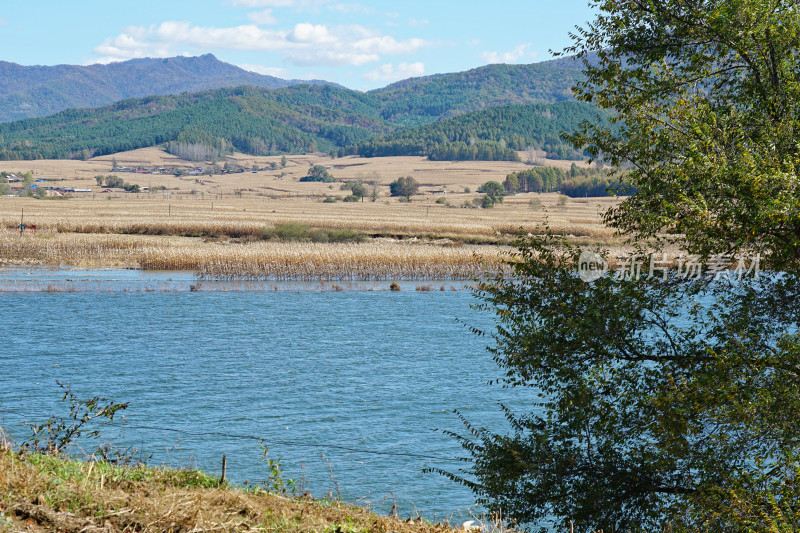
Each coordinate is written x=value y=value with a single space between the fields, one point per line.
x=213 y=224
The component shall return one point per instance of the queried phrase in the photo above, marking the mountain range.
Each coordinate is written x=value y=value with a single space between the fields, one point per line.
x=486 y=112
x=38 y=91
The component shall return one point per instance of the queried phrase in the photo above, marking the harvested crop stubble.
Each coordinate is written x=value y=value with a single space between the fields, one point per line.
x=328 y=262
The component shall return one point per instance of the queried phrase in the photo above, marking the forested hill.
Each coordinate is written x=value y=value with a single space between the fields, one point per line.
x=38 y=91
x=419 y=101
x=496 y=133
x=304 y=118
x=485 y=113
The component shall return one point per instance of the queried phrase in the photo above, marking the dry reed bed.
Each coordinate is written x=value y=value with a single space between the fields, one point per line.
x=327 y=262
x=274 y=261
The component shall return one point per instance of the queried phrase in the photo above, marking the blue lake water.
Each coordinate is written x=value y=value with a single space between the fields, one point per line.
x=364 y=376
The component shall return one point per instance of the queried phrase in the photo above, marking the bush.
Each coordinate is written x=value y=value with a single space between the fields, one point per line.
x=289 y=232
x=318 y=173
x=351 y=198
x=487 y=202
x=294 y=232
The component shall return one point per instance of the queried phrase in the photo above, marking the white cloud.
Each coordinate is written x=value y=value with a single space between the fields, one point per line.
x=507 y=57
x=389 y=73
x=418 y=23
x=267 y=71
x=310 y=34
x=262 y=18
x=263 y=3
x=305 y=44
x=352 y=8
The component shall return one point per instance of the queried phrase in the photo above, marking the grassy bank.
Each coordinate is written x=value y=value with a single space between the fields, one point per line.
x=40 y=492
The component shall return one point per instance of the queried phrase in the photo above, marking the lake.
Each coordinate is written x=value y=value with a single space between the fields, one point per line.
x=351 y=388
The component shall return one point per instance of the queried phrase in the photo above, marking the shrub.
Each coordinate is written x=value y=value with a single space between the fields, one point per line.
x=318 y=173
x=487 y=202
x=294 y=232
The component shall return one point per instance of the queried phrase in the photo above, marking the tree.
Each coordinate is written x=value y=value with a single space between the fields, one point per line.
x=665 y=402
x=318 y=173
x=373 y=195
x=706 y=96
x=283 y=161
x=659 y=402
x=357 y=188
x=493 y=190
x=405 y=187
x=511 y=184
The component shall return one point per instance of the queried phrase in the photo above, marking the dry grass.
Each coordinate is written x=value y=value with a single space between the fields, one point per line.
x=171 y=230
x=328 y=262
x=48 y=493
x=374 y=260
x=237 y=217
x=455 y=175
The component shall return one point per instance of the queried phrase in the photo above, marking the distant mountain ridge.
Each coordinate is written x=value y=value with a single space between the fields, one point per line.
x=39 y=91
x=487 y=112
x=419 y=101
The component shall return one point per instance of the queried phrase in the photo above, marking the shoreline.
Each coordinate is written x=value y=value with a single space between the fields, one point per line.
x=56 y=492
x=61 y=279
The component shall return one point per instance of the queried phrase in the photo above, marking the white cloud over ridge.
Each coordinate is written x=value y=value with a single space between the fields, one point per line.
x=305 y=44
x=267 y=71
x=507 y=57
x=388 y=72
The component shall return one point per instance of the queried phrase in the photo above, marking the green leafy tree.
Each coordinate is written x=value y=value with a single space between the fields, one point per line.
x=511 y=184
x=656 y=402
x=493 y=190
x=707 y=95
x=664 y=403
x=357 y=188
x=406 y=187
x=318 y=173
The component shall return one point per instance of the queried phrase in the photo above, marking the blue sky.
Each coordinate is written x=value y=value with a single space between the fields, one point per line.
x=361 y=44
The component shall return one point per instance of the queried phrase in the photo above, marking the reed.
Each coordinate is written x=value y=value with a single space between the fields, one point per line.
x=327 y=262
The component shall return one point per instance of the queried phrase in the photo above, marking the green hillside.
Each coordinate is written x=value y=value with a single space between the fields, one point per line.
x=485 y=113
x=495 y=133
x=419 y=101
x=247 y=119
